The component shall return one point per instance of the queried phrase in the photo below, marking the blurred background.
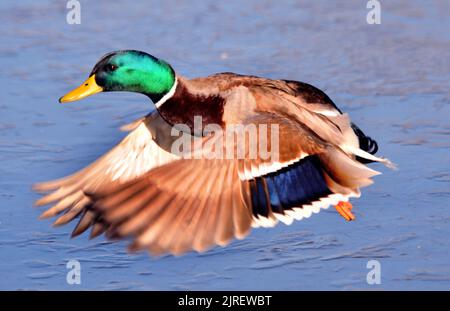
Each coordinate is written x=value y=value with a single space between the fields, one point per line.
x=393 y=79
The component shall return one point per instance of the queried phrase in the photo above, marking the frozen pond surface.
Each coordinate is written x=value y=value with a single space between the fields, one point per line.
x=392 y=78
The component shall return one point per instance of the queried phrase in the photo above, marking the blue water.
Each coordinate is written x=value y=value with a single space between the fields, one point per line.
x=392 y=78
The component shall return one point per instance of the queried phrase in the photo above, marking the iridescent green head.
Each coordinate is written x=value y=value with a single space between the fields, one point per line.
x=127 y=70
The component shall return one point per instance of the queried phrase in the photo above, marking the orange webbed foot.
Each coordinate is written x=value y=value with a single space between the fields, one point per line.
x=345 y=210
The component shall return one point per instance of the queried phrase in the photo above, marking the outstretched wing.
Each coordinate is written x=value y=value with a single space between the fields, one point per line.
x=196 y=203
x=136 y=154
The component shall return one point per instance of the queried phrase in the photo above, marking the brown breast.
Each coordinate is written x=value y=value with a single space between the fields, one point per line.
x=184 y=105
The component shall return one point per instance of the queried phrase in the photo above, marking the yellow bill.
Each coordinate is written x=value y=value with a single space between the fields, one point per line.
x=89 y=87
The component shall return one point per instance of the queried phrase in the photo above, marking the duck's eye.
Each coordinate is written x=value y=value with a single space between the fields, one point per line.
x=111 y=67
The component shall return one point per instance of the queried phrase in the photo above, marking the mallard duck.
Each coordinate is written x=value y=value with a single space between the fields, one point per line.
x=167 y=203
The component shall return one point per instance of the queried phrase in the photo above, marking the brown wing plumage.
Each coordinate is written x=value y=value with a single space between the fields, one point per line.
x=184 y=205
x=193 y=204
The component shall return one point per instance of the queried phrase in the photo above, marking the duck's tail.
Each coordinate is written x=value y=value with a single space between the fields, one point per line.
x=365 y=143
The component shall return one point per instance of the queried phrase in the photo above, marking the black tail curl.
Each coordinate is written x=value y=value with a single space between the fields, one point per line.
x=365 y=143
